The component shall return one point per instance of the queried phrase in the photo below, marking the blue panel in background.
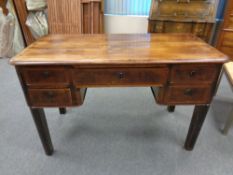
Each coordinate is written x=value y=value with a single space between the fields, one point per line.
x=128 y=7
x=221 y=8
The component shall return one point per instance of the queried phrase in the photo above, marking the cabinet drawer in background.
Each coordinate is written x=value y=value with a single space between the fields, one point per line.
x=227 y=39
x=188 y=95
x=184 y=9
x=49 y=97
x=45 y=76
x=120 y=77
x=188 y=74
x=229 y=25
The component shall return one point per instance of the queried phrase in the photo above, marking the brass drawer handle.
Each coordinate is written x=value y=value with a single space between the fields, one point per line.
x=121 y=75
x=188 y=92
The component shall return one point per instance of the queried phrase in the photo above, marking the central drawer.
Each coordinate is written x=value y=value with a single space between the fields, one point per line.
x=120 y=77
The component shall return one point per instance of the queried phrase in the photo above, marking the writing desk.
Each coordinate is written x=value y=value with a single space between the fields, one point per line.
x=181 y=69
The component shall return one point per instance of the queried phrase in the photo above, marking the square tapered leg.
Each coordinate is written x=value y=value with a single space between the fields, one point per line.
x=43 y=131
x=197 y=121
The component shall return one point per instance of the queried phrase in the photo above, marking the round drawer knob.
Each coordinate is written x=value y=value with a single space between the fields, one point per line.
x=188 y=92
x=46 y=74
x=121 y=75
x=50 y=94
x=192 y=73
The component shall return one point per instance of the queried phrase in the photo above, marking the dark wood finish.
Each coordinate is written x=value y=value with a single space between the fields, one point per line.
x=225 y=39
x=120 y=76
x=194 y=74
x=171 y=108
x=188 y=94
x=45 y=76
x=42 y=128
x=62 y=110
x=56 y=70
x=21 y=11
x=80 y=96
x=198 y=119
x=50 y=97
x=184 y=16
x=3 y=6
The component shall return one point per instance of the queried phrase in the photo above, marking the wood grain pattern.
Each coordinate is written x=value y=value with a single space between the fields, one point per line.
x=200 y=29
x=120 y=77
x=195 y=94
x=184 y=10
x=64 y=16
x=75 y=16
x=225 y=39
x=44 y=76
x=193 y=74
x=183 y=16
x=92 y=16
x=50 y=97
x=119 y=49
x=56 y=70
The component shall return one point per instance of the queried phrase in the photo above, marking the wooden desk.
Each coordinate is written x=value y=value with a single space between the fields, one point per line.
x=181 y=69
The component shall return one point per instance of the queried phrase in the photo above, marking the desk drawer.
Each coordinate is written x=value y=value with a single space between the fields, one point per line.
x=120 y=76
x=189 y=74
x=188 y=95
x=43 y=76
x=50 y=97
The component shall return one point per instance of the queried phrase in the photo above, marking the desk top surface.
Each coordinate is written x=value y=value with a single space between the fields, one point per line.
x=119 y=49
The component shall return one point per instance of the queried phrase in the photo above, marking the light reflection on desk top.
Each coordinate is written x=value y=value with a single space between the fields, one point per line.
x=118 y=49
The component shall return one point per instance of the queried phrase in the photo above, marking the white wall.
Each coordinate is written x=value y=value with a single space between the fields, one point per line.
x=125 y=24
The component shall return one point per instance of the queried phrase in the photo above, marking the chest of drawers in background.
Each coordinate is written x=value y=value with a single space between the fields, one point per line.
x=183 y=16
x=225 y=40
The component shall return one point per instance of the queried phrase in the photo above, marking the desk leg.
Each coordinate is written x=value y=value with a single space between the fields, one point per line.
x=43 y=131
x=171 y=108
x=62 y=110
x=198 y=119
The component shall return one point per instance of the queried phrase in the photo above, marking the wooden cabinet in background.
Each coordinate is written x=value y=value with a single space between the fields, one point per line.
x=225 y=40
x=64 y=17
x=183 y=16
x=92 y=16
x=75 y=16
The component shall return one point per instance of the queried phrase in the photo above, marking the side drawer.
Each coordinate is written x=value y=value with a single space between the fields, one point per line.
x=120 y=77
x=49 y=97
x=45 y=76
x=188 y=95
x=190 y=74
